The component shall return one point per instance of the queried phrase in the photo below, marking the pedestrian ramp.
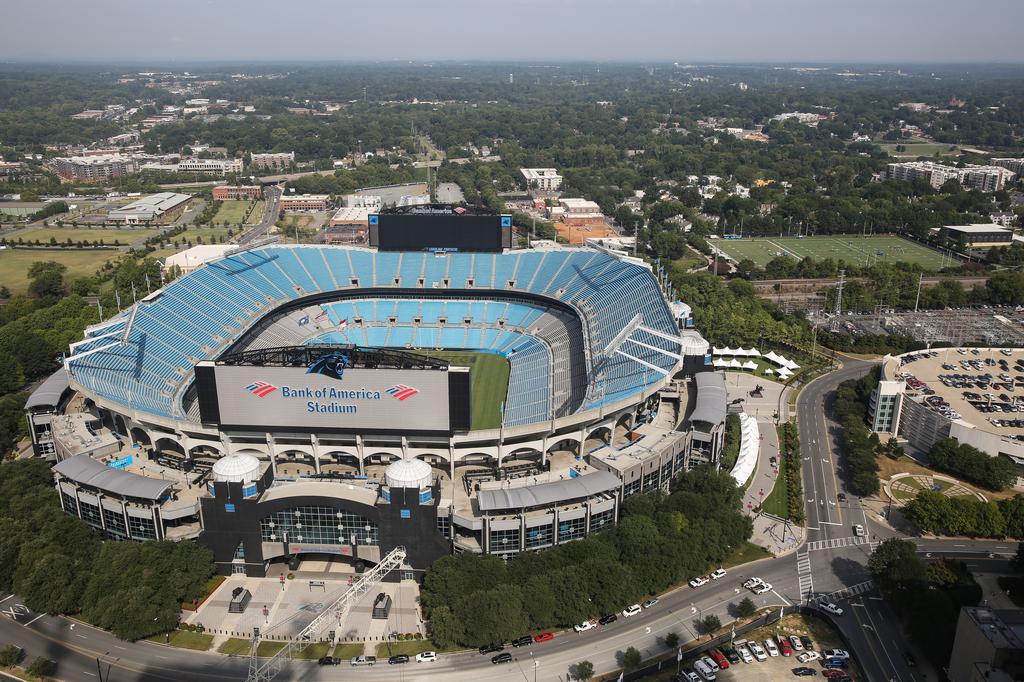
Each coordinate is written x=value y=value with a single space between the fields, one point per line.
x=835 y=543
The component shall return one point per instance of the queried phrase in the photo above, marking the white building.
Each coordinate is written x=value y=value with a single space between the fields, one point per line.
x=984 y=178
x=188 y=260
x=543 y=179
x=580 y=208
x=155 y=207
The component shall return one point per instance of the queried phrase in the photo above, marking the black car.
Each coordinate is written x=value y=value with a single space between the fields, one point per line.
x=842 y=497
x=502 y=658
x=400 y=658
x=806 y=641
x=609 y=619
x=491 y=648
x=805 y=672
x=329 y=660
x=525 y=640
x=731 y=654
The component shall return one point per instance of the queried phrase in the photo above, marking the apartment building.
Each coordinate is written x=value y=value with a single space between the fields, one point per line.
x=93 y=168
x=1012 y=165
x=233 y=192
x=273 y=161
x=543 y=179
x=983 y=178
x=304 y=202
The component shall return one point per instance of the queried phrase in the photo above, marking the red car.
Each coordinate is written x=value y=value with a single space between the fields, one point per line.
x=785 y=648
x=719 y=658
x=833 y=674
x=543 y=637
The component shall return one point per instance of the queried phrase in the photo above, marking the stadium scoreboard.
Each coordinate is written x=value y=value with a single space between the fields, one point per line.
x=363 y=400
x=440 y=230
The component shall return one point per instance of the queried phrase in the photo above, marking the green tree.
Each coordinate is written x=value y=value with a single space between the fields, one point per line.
x=672 y=640
x=895 y=566
x=583 y=671
x=10 y=656
x=746 y=608
x=42 y=667
x=46 y=280
x=631 y=659
x=710 y=624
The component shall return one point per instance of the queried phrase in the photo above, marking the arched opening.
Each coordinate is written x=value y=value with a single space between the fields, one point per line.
x=140 y=436
x=295 y=463
x=473 y=469
x=623 y=430
x=597 y=438
x=339 y=462
x=121 y=427
x=437 y=463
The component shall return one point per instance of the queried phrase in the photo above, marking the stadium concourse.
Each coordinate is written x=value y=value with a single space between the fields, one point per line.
x=282 y=403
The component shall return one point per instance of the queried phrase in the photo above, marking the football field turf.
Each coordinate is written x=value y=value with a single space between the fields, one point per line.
x=488 y=382
x=853 y=249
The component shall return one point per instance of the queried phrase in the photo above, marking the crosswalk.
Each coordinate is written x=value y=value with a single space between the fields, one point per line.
x=851 y=591
x=835 y=543
x=803 y=573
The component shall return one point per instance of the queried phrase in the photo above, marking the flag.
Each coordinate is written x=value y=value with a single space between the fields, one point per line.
x=620 y=675
x=304 y=320
x=679 y=655
x=321 y=317
x=343 y=323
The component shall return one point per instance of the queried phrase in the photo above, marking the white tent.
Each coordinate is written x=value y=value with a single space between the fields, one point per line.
x=750 y=364
x=718 y=362
x=750 y=440
x=789 y=364
x=734 y=364
x=785 y=373
x=774 y=357
x=769 y=370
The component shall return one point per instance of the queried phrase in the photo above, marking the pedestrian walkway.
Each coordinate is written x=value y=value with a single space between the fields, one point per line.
x=852 y=591
x=836 y=543
x=804 y=575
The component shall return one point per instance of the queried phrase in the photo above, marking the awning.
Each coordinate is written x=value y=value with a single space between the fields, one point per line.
x=548 y=494
x=87 y=471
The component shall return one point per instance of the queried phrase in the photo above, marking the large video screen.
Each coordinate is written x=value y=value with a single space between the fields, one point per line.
x=281 y=398
x=434 y=232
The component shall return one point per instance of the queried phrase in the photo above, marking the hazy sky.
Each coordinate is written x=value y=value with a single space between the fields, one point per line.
x=688 y=30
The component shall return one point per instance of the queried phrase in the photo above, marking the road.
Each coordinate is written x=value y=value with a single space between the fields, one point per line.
x=272 y=198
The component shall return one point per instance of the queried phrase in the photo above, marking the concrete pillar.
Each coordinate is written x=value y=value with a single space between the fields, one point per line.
x=316 y=452
x=361 y=454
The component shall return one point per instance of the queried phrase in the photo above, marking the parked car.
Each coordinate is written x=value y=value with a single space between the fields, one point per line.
x=585 y=625
x=784 y=647
x=697 y=582
x=525 y=640
x=398 y=659
x=805 y=672
x=719 y=573
x=426 y=657
x=745 y=654
x=808 y=656
x=833 y=673
x=831 y=608
x=731 y=654
x=806 y=641
x=631 y=610
x=650 y=602
x=504 y=657
x=797 y=644
x=719 y=658
x=364 y=660
x=837 y=663
x=688 y=676
x=491 y=648
x=758 y=651
x=710 y=663
x=608 y=620
x=543 y=637
x=835 y=653
x=770 y=646
x=328 y=660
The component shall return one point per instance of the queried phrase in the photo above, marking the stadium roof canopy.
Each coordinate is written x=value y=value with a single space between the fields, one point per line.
x=49 y=392
x=711 y=398
x=548 y=493
x=87 y=471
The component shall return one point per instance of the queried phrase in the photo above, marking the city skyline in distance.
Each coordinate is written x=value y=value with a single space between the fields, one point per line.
x=797 y=31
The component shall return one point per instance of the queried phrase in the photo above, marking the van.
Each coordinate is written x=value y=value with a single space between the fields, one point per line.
x=704 y=670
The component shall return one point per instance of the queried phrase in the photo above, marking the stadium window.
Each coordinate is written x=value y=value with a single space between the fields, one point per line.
x=445 y=281
x=398 y=281
x=354 y=281
x=421 y=281
x=601 y=519
x=538 y=536
x=511 y=284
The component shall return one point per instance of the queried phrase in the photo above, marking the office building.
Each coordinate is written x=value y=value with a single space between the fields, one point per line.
x=543 y=179
x=989 y=645
x=273 y=161
x=304 y=202
x=978 y=236
x=93 y=168
x=210 y=166
x=235 y=192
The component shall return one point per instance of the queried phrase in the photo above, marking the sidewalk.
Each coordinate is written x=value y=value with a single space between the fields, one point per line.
x=770 y=532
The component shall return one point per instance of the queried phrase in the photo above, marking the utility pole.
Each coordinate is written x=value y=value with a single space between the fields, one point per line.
x=839 y=298
x=920 y=283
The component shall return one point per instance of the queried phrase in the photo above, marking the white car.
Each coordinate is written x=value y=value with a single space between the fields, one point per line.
x=773 y=650
x=710 y=662
x=697 y=582
x=650 y=602
x=692 y=676
x=426 y=657
x=859 y=531
x=762 y=588
x=744 y=653
x=835 y=653
x=584 y=626
x=808 y=656
x=752 y=583
x=720 y=573
x=831 y=608
x=758 y=651
x=631 y=610
x=797 y=644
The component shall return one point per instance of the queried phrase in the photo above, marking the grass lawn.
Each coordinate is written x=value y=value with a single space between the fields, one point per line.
x=852 y=249
x=313 y=652
x=689 y=259
x=76 y=234
x=348 y=651
x=916 y=149
x=888 y=467
x=14 y=263
x=489 y=385
x=183 y=639
x=409 y=648
x=744 y=554
x=207 y=234
x=236 y=646
x=776 y=502
x=234 y=212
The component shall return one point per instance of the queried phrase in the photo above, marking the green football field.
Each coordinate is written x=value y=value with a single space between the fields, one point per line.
x=852 y=249
x=488 y=383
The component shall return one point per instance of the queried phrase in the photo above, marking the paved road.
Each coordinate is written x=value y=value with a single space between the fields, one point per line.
x=272 y=197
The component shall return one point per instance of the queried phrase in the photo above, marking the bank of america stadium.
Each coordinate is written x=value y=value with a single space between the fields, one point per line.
x=282 y=403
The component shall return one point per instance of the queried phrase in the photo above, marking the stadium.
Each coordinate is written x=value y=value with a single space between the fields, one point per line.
x=295 y=402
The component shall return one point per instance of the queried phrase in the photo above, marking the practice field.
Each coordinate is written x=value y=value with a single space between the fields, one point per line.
x=76 y=234
x=489 y=373
x=233 y=212
x=853 y=249
x=14 y=263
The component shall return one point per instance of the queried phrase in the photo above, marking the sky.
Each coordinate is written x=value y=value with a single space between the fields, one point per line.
x=845 y=31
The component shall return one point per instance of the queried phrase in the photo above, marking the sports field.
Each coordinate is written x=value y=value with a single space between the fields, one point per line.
x=232 y=213
x=76 y=234
x=15 y=263
x=852 y=249
x=489 y=383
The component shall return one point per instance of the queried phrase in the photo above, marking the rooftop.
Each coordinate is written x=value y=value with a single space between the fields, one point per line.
x=163 y=201
x=980 y=228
